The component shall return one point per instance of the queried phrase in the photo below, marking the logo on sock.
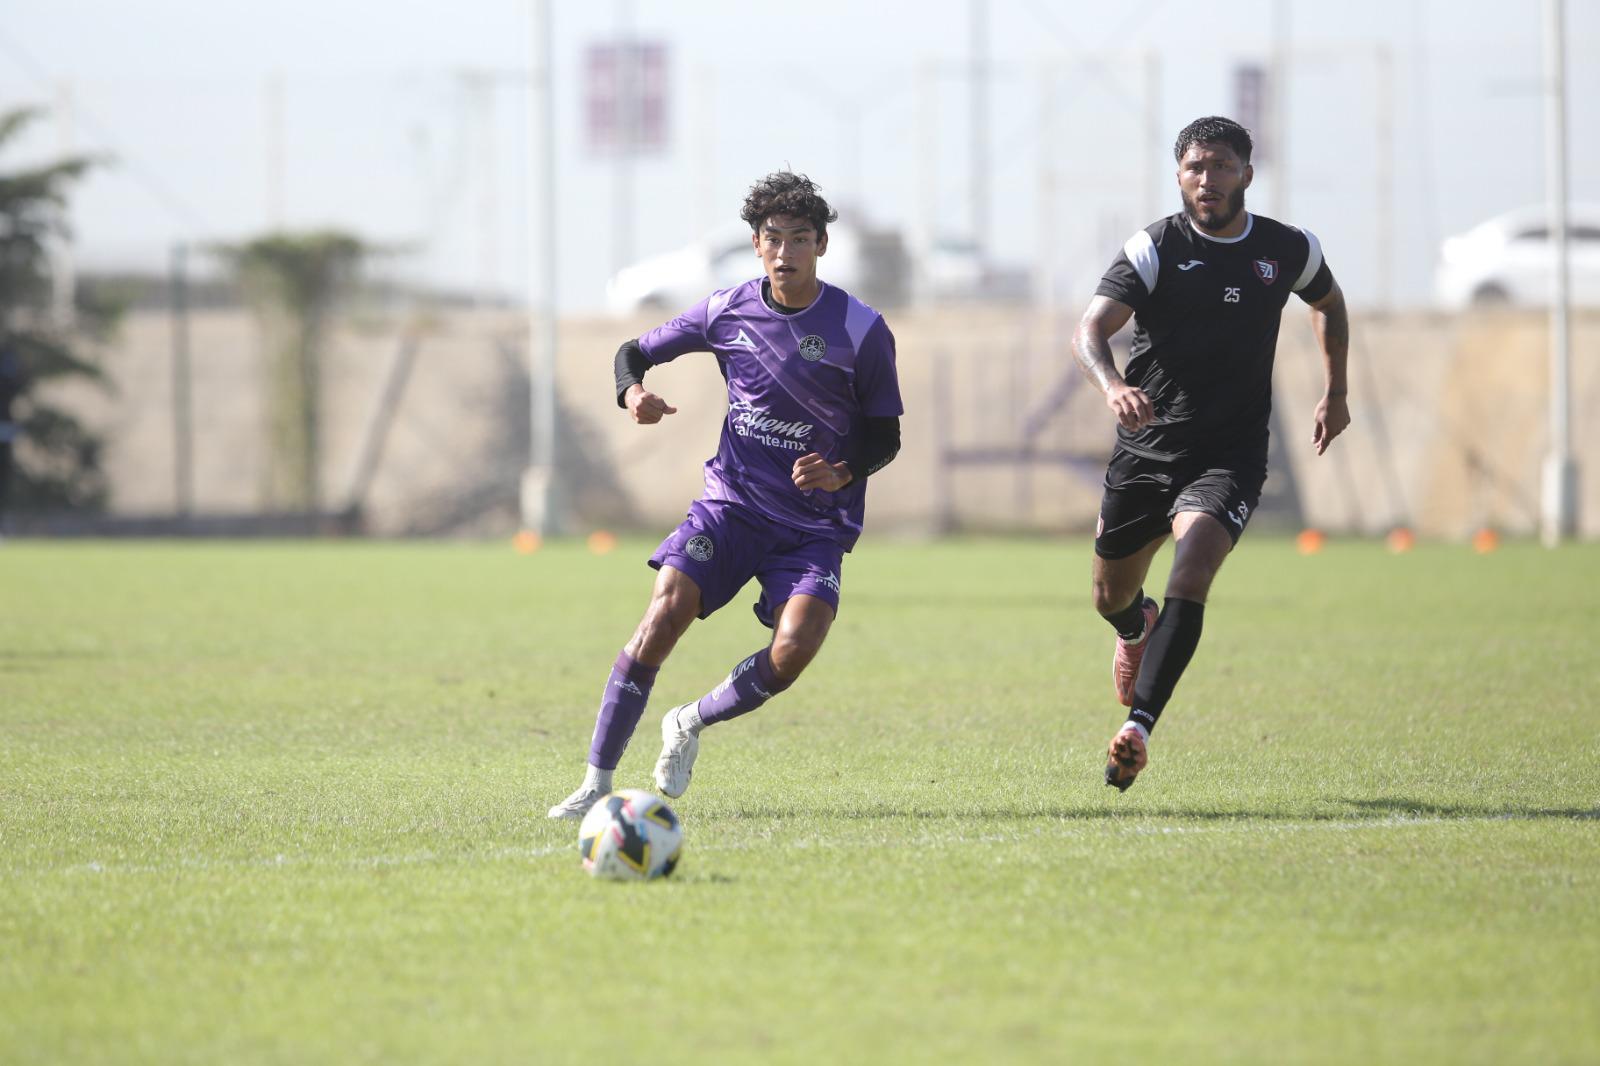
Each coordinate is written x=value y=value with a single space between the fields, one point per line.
x=733 y=676
x=700 y=548
x=628 y=686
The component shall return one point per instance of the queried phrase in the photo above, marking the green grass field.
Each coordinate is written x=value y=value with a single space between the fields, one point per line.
x=285 y=803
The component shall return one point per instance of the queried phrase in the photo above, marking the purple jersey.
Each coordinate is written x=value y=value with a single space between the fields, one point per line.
x=797 y=383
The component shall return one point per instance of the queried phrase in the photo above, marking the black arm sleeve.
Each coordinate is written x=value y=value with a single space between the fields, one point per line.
x=879 y=449
x=631 y=363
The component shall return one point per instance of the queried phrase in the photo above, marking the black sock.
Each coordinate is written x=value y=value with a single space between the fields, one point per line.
x=1169 y=648
x=1129 y=622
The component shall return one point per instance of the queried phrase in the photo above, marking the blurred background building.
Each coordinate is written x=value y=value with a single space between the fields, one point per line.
x=988 y=158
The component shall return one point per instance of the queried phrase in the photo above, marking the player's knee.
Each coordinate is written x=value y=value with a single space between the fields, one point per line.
x=675 y=607
x=1189 y=583
x=668 y=617
x=1110 y=598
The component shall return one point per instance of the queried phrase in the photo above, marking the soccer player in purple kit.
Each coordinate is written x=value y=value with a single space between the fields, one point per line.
x=1206 y=288
x=813 y=409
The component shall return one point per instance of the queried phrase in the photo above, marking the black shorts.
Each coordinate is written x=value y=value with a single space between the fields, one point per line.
x=1142 y=496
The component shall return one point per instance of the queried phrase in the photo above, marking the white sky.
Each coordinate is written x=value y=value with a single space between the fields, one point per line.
x=382 y=135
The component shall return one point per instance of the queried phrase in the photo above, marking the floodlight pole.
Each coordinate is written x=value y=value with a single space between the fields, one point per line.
x=978 y=122
x=1278 y=119
x=182 y=392
x=1559 y=498
x=538 y=480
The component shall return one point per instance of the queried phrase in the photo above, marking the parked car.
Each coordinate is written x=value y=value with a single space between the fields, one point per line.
x=1506 y=261
x=871 y=264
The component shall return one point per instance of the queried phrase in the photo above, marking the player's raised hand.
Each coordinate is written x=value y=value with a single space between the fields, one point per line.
x=646 y=407
x=1130 y=405
x=812 y=471
x=1329 y=420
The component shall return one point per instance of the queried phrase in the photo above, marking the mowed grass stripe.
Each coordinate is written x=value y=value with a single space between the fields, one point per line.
x=283 y=803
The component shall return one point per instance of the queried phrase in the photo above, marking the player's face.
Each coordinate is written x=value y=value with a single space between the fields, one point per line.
x=789 y=247
x=1212 y=179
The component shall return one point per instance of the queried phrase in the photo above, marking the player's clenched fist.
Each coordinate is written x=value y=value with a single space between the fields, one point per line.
x=646 y=407
x=1130 y=405
x=812 y=471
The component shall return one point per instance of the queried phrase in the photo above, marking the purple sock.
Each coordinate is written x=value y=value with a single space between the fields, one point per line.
x=752 y=683
x=627 y=691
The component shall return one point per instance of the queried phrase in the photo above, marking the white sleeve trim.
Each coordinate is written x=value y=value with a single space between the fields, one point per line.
x=1141 y=252
x=1313 y=261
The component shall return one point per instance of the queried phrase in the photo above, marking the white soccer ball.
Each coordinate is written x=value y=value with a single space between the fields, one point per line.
x=630 y=835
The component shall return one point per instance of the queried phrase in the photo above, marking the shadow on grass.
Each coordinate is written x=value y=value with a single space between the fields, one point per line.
x=1385 y=807
x=1352 y=810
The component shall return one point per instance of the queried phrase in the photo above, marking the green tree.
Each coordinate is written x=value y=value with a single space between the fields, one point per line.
x=57 y=458
x=293 y=282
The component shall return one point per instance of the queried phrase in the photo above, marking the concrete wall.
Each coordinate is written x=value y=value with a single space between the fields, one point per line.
x=1449 y=427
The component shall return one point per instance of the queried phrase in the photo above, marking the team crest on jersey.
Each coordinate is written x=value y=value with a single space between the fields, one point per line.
x=813 y=348
x=1267 y=270
x=699 y=548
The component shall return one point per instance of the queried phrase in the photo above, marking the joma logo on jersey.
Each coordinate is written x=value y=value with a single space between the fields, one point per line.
x=1267 y=270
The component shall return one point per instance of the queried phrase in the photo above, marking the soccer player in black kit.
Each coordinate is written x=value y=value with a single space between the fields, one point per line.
x=1206 y=288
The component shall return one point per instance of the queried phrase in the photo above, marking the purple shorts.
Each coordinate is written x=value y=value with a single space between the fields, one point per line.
x=721 y=546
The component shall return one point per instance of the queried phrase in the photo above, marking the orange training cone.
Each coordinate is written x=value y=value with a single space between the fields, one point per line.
x=1401 y=539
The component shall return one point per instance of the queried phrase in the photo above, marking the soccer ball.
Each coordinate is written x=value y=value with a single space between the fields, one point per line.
x=631 y=835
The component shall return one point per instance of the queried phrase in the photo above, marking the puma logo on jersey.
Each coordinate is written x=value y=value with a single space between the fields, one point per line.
x=742 y=341
x=1191 y=264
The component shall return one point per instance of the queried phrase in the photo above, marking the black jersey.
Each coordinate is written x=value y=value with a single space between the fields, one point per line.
x=1206 y=312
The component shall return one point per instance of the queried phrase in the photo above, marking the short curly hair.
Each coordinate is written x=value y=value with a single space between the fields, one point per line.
x=1214 y=129
x=785 y=193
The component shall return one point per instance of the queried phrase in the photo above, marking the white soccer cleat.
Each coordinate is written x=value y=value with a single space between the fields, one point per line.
x=678 y=750
x=576 y=805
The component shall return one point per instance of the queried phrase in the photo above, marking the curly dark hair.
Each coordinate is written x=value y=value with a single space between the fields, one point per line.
x=786 y=193
x=1214 y=129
